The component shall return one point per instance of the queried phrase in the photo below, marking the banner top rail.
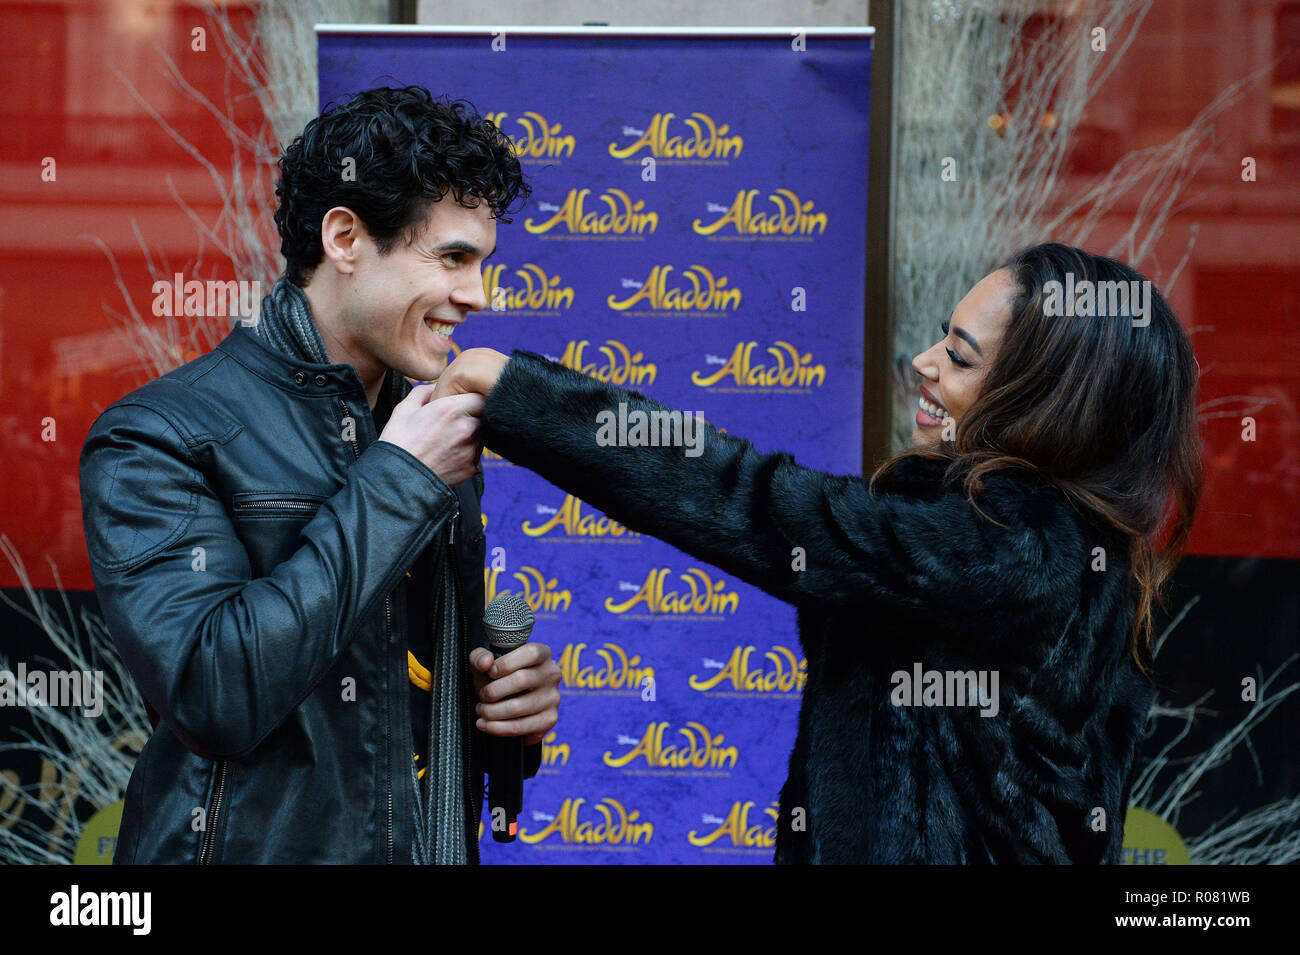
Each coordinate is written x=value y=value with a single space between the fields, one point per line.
x=416 y=28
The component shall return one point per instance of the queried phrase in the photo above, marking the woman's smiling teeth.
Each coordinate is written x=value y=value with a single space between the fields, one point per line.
x=933 y=410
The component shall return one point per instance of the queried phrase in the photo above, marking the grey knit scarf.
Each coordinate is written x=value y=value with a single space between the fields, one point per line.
x=286 y=325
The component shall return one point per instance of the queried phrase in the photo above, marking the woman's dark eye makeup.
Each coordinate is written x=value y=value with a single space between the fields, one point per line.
x=956 y=359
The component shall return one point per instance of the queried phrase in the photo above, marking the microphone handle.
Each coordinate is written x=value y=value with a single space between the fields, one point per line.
x=505 y=784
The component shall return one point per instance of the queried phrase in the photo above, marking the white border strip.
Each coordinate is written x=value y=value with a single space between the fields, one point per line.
x=416 y=28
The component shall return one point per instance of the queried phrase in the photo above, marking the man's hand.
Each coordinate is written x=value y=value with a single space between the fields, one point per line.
x=476 y=370
x=442 y=433
x=530 y=678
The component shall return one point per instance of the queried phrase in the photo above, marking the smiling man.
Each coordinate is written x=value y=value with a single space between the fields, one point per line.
x=286 y=536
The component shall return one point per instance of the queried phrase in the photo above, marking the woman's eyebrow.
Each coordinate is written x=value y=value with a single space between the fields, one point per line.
x=963 y=334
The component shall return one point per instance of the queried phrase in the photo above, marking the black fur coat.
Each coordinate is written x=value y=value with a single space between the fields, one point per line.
x=906 y=581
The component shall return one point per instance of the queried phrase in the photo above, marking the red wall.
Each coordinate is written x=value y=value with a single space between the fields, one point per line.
x=1236 y=292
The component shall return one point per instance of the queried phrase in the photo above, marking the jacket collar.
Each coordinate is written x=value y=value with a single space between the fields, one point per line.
x=284 y=347
x=285 y=324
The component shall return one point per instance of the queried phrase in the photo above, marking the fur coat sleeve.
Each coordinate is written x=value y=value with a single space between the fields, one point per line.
x=912 y=579
x=913 y=547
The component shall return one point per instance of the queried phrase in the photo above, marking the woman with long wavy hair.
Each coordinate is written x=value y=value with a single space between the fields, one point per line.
x=1024 y=537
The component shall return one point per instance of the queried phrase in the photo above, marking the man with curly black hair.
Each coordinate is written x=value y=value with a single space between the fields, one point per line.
x=286 y=535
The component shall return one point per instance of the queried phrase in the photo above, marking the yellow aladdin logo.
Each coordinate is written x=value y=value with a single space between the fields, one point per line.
x=790 y=370
x=702 y=597
x=706 y=140
x=790 y=216
x=621 y=367
x=541 y=594
x=624 y=215
x=737 y=830
x=702 y=749
x=554 y=753
x=613 y=825
x=539 y=293
x=616 y=671
x=741 y=673
x=539 y=138
x=701 y=291
x=570 y=520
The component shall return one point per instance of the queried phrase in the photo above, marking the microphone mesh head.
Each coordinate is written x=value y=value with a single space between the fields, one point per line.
x=508 y=622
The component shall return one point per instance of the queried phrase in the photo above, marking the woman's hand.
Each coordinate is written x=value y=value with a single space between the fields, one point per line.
x=476 y=370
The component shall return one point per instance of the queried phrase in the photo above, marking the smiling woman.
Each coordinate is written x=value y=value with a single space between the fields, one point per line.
x=1017 y=538
x=955 y=365
x=1099 y=402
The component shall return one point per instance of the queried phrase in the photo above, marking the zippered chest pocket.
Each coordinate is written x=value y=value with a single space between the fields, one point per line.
x=269 y=525
x=256 y=505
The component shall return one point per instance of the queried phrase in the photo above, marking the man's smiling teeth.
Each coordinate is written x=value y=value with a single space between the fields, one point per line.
x=933 y=410
x=441 y=328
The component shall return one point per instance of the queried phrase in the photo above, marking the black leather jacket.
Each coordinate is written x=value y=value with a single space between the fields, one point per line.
x=249 y=538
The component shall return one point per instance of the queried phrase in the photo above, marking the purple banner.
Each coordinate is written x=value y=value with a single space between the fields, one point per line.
x=696 y=232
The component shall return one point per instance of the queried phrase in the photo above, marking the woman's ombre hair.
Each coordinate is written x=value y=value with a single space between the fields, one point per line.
x=1102 y=408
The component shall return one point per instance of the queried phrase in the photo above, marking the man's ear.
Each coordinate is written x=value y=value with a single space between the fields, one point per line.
x=341 y=231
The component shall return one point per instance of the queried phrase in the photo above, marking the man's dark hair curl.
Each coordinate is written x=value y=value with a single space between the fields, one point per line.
x=408 y=150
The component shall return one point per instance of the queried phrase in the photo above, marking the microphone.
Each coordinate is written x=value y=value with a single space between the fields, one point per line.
x=508 y=623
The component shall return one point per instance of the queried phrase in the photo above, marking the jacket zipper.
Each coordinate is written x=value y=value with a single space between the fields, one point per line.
x=353 y=441
x=299 y=505
x=210 y=820
x=388 y=639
